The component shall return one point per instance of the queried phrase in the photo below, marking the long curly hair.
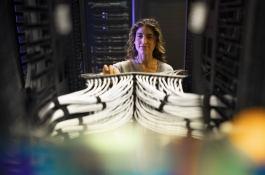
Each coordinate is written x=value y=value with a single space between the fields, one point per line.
x=159 y=51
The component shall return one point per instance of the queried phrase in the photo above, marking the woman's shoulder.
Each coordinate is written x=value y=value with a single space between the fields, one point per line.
x=164 y=67
x=125 y=66
x=123 y=63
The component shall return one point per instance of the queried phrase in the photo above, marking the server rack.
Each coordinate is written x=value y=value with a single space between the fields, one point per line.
x=226 y=59
x=228 y=51
x=107 y=28
x=40 y=61
x=217 y=71
x=37 y=48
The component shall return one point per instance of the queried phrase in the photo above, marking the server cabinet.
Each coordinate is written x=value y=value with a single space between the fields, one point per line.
x=213 y=58
x=107 y=28
x=222 y=59
x=39 y=56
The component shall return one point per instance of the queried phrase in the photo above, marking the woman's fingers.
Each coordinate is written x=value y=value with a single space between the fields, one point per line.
x=105 y=69
x=110 y=70
x=116 y=71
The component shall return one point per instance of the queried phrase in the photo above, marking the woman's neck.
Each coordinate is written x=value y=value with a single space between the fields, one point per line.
x=147 y=60
x=147 y=63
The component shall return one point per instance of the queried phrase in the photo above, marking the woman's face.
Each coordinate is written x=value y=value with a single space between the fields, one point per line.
x=145 y=40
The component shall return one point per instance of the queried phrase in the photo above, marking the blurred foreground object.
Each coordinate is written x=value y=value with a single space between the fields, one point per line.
x=248 y=133
x=239 y=150
x=63 y=21
x=197 y=17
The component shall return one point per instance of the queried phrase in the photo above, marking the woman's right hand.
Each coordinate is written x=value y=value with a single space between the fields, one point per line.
x=110 y=70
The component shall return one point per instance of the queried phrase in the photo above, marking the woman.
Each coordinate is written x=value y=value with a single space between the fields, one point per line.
x=146 y=52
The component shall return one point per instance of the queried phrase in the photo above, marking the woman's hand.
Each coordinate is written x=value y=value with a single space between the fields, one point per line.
x=110 y=70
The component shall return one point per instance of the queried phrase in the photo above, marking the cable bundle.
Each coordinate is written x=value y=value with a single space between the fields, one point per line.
x=109 y=100
x=162 y=106
x=105 y=104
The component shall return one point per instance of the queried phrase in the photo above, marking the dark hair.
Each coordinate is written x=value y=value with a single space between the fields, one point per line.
x=159 y=51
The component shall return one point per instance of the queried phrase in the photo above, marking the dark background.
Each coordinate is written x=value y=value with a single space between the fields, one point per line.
x=171 y=15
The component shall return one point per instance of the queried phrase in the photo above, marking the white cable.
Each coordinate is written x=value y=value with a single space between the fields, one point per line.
x=82 y=108
x=153 y=92
x=166 y=127
x=184 y=112
x=154 y=116
x=82 y=96
x=173 y=127
x=93 y=117
x=114 y=122
x=81 y=101
x=180 y=131
x=184 y=100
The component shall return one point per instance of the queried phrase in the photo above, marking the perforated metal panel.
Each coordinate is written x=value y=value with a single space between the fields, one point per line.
x=75 y=50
